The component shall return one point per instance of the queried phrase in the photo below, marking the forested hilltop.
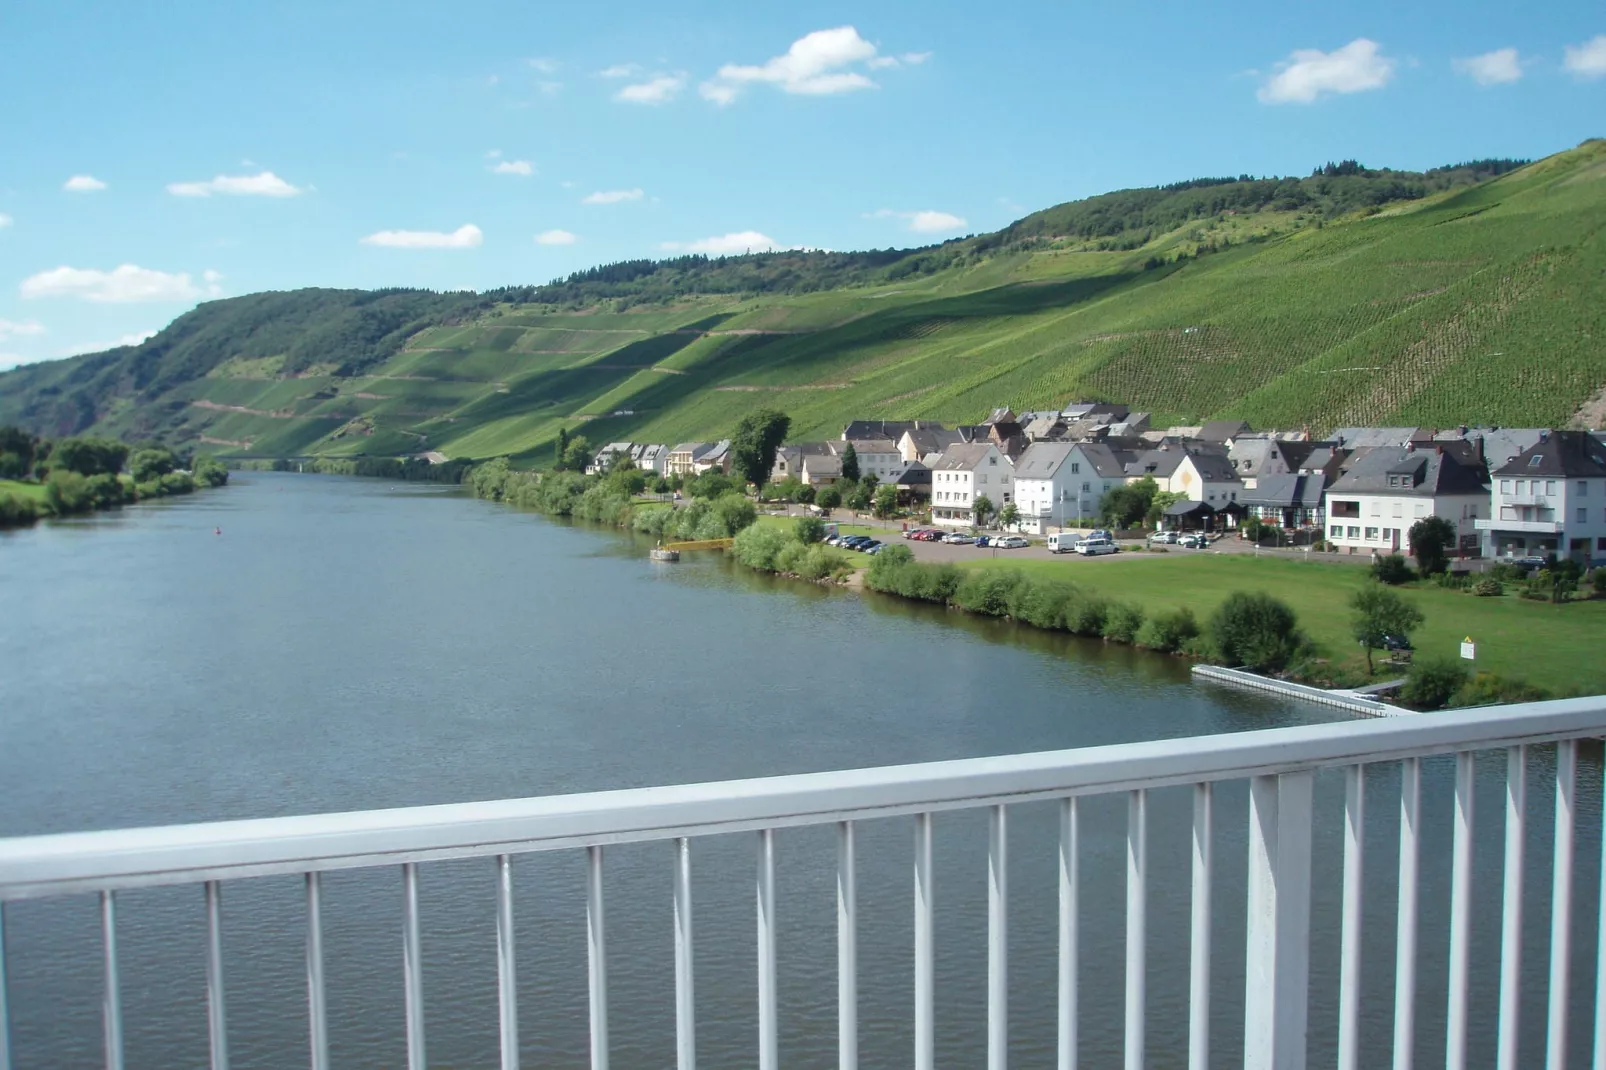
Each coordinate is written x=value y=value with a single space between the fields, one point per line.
x=1468 y=293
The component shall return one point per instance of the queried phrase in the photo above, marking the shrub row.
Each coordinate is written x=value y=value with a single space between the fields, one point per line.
x=795 y=551
x=1058 y=605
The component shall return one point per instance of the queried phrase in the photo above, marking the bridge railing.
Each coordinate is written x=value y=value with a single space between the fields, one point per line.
x=1280 y=765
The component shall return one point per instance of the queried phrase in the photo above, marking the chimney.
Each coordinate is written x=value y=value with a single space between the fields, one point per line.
x=1439 y=449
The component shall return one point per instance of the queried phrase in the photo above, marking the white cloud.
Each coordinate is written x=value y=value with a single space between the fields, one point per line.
x=1492 y=68
x=744 y=241
x=514 y=167
x=1587 y=60
x=922 y=222
x=122 y=284
x=611 y=196
x=914 y=59
x=5 y=221
x=265 y=184
x=12 y=329
x=1309 y=74
x=466 y=236
x=817 y=64
x=659 y=90
x=544 y=64
x=555 y=237
x=83 y=184
x=620 y=70
x=492 y=154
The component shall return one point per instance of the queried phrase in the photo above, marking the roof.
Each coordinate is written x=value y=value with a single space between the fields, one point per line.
x=1430 y=473
x=931 y=440
x=1211 y=462
x=822 y=465
x=1005 y=415
x=1042 y=459
x=1107 y=461
x=1222 y=430
x=914 y=474
x=873 y=445
x=1370 y=437
x=714 y=452
x=1213 y=467
x=1287 y=490
x=886 y=428
x=689 y=447
x=1187 y=507
x=1561 y=453
x=964 y=457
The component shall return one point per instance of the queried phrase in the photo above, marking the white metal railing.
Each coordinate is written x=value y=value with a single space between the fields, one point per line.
x=1280 y=765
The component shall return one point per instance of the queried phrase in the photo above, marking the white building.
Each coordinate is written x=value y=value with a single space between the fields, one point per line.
x=1550 y=500
x=1200 y=474
x=963 y=474
x=1372 y=506
x=879 y=457
x=1060 y=484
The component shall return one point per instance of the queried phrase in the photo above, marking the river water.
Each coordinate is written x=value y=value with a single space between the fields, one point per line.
x=351 y=644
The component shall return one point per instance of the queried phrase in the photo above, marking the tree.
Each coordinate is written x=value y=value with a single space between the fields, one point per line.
x=209 y=471
x=1379 y=611
x=827 y=498
x=577 y=454
x=862 y=494
x=1255 y=630
x=758 y=435
x=18 y=451
x=983 y=508
x=560 y=449
x=804 y=494
x=1159 y=502
x=850 y=463
x=1431 y=539
x=89 y=456
x=1009 y=515
x=148 y=464
x=1392 y=569
x=886 y=501
x=1125 y=505
x=809 y=529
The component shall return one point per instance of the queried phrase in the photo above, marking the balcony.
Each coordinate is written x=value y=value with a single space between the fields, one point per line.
x=1528 y=527
x=1281 y=768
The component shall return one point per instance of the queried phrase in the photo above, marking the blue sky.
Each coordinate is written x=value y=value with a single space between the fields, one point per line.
x=156 y=155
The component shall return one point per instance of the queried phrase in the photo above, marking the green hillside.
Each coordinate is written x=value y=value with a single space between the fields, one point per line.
x=1471 y=294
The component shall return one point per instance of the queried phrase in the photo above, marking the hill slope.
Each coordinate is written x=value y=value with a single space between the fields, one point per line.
x=1472 y=301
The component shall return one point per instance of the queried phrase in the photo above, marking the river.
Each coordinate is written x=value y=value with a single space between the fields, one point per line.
x=351 y=644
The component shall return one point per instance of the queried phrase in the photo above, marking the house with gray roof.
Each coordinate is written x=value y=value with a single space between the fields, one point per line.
x=1059 y=484
x=1289 y=500
x=1549 y=500
x=1372 y=506
x=1201 y=473
x=965 y=473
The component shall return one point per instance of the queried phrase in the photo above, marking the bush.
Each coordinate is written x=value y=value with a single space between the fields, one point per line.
x=757 y=547
x=1486 y=687
x=1254 y=630
x=1488 y=587
x=1084 y=614
x=1431 y=683
x=987 y=591
x=15 y=511
x=1392 y=569
x=1041 y=603
x=1121 y=622
x=1167 y=632
x=1504 y=573
x=809 y=529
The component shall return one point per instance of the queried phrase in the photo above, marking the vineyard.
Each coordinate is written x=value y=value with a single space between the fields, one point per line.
x=1482 y=303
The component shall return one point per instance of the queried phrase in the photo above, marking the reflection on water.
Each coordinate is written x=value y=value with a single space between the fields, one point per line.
x=350 y=644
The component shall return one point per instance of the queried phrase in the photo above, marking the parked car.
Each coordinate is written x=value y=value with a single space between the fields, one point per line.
x=1192 y=541
x=914 y=533
x=1063 y=543
x=868 y=546
x=984 y=540
x=1101 y=533
x=1532 y=561
x=1011 y=542
x=932 y=536
x=1397 y=642
x=958 y=538
x=1096 y=547
x=1167 y=537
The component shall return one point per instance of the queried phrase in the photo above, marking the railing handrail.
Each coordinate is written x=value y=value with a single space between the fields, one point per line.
x=35 y=866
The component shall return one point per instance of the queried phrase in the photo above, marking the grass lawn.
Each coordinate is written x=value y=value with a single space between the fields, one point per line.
x=31 y=491
x=1556 y=647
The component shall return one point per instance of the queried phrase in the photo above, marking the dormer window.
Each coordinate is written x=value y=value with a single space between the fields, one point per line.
x=1536 y=460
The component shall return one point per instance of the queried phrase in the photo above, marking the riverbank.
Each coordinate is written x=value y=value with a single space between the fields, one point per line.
x=65 y=493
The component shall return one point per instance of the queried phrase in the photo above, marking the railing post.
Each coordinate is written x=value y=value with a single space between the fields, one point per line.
x=685 y=991
x=1137 y=880
x=111 y=1008
x=1405 y=922
x=507 y=977
x=5 y=1014
x=924 y=988
x=998 y=940
x=847 y=950
x=1460 y=913
x=1349 y=971
x=1561 y=904
x=217 y=1021
x=1511 y=908
x=768 y=1032
x=1199 y=957
x=1278 y=951
x=412 y=969
x=596 y=959
x=317 y=1013
x=1068 y=935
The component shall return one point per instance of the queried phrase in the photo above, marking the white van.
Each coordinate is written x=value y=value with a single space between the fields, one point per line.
x=1065 y=543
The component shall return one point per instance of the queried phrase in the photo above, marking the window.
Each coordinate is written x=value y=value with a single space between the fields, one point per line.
x=1352 y=533
x=1371 y=534
x=1337 y=532
x=992 y=460
x=1583 y=488
x=1076 y=468
x=1550 y=486
x=1521 y=483
x=1421 y=510
x=1600 y=544
x=1505 y=486
x=1536 y=460
x=1376 y=508
x=1086 y=487
x=1583 y=515
x=1397 y=508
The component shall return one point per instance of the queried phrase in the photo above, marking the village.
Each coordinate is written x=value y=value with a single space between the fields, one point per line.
x=1525 y=495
